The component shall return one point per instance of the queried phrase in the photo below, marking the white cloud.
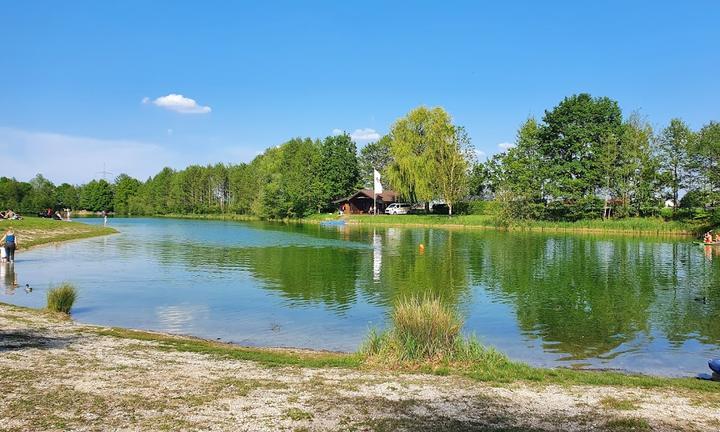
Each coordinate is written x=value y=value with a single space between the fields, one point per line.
x=366 y=134
x=480 y=154
x=506 y=146
x=178 y=103
x=74 y=159
x=337 y=131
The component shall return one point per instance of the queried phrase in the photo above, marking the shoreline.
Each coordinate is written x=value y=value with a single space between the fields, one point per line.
x=396 y=221
x=36 y=232
x=60 y=374
x=311 y=357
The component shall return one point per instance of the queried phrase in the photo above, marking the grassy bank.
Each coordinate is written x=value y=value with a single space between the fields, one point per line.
x=633 y=226
x=502 y=371
x=60 y=375
x=644 y=226
x=32 y=231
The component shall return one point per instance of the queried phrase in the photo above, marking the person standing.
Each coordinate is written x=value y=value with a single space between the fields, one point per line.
x=10 y=244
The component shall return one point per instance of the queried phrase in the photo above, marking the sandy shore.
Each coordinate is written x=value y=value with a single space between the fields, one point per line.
x=56 y=374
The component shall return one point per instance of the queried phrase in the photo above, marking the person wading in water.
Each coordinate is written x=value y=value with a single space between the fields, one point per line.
x=10 y=244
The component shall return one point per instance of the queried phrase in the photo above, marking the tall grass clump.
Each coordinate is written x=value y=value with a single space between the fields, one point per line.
x=61 y=298
x=425 y=331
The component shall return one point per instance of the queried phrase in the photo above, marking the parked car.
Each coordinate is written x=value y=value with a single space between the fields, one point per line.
x=398 y=208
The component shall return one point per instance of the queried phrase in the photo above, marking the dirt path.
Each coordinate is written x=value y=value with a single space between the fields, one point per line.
x=60 y=375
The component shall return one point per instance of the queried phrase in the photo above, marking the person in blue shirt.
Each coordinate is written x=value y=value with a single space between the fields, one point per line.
x=10 y=241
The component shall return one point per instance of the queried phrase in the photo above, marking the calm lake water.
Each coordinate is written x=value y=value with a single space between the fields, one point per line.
x=547 y=299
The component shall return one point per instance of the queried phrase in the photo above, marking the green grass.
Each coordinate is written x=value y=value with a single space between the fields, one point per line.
x=636 y=225
x=61 y=298
x=628 y=424
x=426 y=332
x=296 y=414
x=654 y=226
x=619 y=404
x=267 y=357
x=499 y=371
x=34 y=231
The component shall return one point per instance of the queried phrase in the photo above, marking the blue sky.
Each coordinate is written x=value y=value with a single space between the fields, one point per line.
x=73 y=75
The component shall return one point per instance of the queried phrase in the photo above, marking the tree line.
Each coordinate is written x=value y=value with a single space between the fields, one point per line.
x=583 y=159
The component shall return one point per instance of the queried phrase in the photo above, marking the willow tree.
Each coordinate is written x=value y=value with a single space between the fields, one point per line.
x=411 y=140
x=429 y=157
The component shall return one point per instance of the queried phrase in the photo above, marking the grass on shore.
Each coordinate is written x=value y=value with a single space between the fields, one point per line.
x=426 y=332
x=61 y=298
x=34 y=231
x=626 y=225
x=500 y=371
x=637 y=225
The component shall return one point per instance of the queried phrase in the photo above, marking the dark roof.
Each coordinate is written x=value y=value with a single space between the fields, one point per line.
x=385 y=196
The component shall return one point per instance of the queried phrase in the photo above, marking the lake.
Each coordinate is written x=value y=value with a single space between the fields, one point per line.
x=639 y=304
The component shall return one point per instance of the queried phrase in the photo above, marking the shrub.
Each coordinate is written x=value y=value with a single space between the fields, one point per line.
x=666 y=213
x=427 y=331
x=425 y=328
x=61 y=298
x=715 y=217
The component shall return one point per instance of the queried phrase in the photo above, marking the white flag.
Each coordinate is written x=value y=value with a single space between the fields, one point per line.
x=377 y=186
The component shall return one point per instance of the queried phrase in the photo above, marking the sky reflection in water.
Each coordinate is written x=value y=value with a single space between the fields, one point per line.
x=612 y=302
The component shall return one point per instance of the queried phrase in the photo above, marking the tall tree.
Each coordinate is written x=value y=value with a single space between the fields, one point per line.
x=125 y=187
x=674 y=146
x=374 y=156
x=42 y=194
x=67 y=196
x=572 y=139
x=519 y=174
x=453 y=158
x=97 y=196
x=707 y=151
x=339 y=172
x=414 y=139
x=636 y=179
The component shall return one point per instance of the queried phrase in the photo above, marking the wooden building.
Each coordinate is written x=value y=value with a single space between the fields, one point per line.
x=361 y=202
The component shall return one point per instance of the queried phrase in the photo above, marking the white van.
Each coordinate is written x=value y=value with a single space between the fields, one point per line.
x=398 y=208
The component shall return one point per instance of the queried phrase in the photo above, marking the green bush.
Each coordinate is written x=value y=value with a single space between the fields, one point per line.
x=61 y=298
x=715 y=217
x=666 y=213
x=426 y=331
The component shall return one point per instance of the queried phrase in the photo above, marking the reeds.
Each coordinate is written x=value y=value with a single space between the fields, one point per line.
x=61 y=298
x=425 y=330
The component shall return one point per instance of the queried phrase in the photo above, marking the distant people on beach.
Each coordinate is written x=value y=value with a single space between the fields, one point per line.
x=9 y=243
x=9 y=214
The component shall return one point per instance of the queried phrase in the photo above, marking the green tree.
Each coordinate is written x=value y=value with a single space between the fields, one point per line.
x=453 y=158
x=97 y=196
x=674 y=146
x=376 y=156
x=707 y=151
x=339 y=172
x=125 y=188
x=413 y=140
x=636 y=180
x=42 y=194
x=573 y=138
x=518 y=175
x=67 y=196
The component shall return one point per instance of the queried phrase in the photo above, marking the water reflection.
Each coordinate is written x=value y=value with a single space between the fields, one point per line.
x=610 y=301
x=8 y=277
